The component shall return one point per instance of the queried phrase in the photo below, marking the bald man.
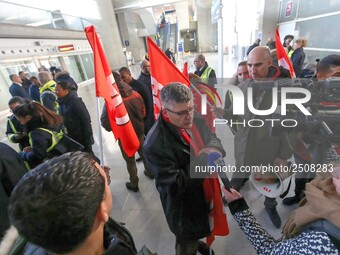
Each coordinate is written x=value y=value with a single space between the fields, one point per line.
x=256 y=146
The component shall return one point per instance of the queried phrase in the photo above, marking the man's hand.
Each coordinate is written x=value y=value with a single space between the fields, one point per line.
x=232 y=195
x=280 y=162
x=27 y=149
x=218 y=111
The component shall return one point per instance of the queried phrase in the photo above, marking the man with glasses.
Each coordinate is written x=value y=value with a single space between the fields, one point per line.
x=62 y=206
x=204 y=71
x=176 y=139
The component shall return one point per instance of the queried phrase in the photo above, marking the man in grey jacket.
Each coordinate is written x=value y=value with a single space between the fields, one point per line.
x=256 y=146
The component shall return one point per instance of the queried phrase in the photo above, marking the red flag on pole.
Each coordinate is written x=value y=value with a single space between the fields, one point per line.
x=163 y=71
x=217 y=216
x=282 y=56
x=185 y=71
x=107 y=88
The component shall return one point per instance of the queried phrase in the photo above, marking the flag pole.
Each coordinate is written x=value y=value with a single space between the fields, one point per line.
x=100 y=138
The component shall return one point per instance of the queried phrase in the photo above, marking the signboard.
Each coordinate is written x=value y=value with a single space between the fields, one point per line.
x=65 y=48
x=289 y=8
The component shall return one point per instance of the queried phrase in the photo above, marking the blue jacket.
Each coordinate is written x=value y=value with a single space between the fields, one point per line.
x=17 y=90
x=298 y=58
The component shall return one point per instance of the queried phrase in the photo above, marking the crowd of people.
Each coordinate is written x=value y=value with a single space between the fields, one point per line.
x=63 y=202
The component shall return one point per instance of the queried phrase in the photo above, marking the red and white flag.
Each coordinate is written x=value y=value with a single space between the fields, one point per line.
x=163 y=71
x=282 y=56
x=107 y=88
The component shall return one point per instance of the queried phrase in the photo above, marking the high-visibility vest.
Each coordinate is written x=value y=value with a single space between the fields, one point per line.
x=206 y=73
x=56 y=137
x=49 y=88
x=14 y=130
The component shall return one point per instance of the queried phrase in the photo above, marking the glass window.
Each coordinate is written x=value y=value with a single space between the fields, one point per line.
x=288 y=10
x=312 y=55
x=15 y=14
x=308 y=8
x=87 y=62
x=72 y=68
x=313 y=29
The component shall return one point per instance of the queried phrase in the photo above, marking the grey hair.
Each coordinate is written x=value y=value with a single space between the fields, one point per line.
x=175 y=92
x=200 y=57
x=44 y=77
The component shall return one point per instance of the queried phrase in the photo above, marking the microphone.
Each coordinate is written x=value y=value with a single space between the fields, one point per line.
x=215 y=160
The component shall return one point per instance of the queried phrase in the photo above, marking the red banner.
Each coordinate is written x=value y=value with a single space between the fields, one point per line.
x=106 y=88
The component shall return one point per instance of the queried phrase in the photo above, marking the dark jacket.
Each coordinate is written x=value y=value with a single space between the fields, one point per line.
x=112 y=244
x=182 y=197
x=210 y=78
x=12 y=168
x=251 y=47
x=17 y=90
x=26 y=83
x=146 y=79
x=144 y=91
x=34 y=92
x=16 y=132
x=134 y=106
x=298 y=58
x=40 y=142
x=310 y=242
x=77 y=120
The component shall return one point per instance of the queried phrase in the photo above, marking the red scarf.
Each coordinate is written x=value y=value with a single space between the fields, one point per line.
x=211 y=186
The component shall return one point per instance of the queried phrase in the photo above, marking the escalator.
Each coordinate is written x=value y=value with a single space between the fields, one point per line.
x=168 y=36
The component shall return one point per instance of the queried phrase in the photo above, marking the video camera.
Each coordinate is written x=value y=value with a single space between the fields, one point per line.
x=322 y=127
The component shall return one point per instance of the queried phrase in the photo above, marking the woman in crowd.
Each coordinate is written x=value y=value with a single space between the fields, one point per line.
x=313 y=228
x=41 y=125
x=298 y=56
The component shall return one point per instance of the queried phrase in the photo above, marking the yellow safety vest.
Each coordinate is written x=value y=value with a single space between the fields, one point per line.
x=14 y=130
x=206 y=73
x=56 y=137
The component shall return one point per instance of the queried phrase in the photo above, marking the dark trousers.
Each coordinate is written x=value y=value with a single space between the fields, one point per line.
x=131 y=162
x=186 y=247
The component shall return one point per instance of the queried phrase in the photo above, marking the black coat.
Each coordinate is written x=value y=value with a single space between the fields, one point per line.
x=12 y=168
x=298 y=58
x=77 y=120
x=144 y=91
x=182 y=197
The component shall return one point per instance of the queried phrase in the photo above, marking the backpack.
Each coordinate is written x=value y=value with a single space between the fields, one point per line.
x=118 y=229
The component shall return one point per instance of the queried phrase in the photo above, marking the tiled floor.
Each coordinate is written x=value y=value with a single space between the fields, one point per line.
x=142 y=212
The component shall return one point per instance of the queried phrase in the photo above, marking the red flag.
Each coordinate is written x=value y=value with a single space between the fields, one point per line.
x=282 y=56
x=217 y=216
x=163 y=71
x=106 y=87
x=185 y=70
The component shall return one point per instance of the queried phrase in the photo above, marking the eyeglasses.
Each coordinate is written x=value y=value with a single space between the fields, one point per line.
x=190 y=110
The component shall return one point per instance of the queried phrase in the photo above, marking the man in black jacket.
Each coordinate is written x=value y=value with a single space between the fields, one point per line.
x=167 y=150
x=62 y=205
x=145 y=78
